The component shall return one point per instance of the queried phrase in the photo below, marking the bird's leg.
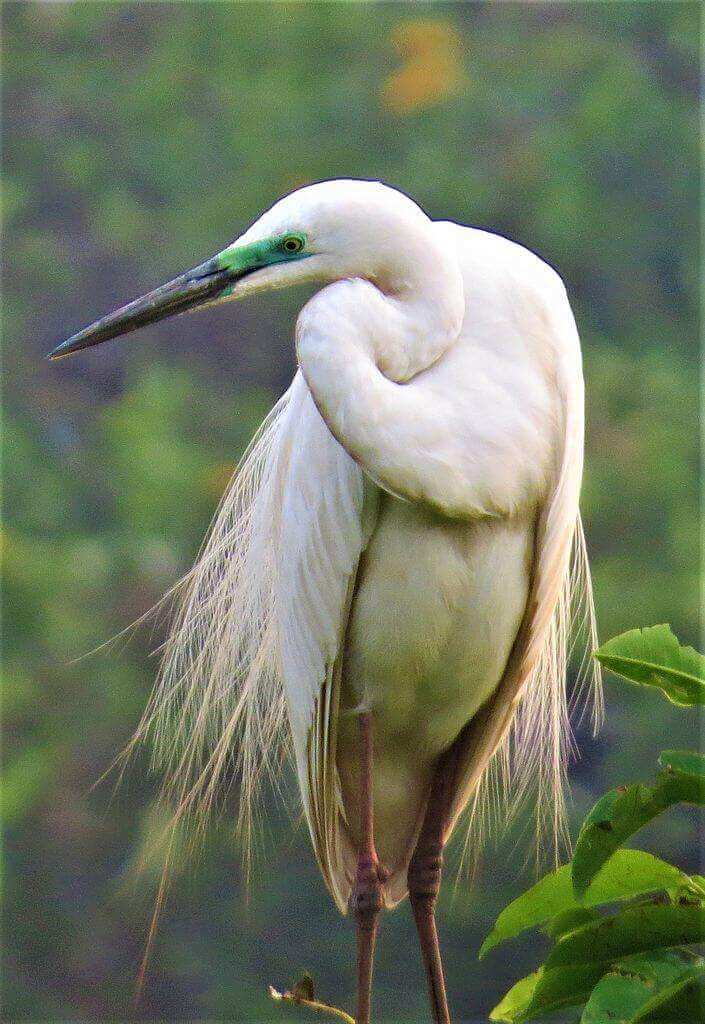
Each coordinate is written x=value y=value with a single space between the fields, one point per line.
x=367 y=894
x=424 y=881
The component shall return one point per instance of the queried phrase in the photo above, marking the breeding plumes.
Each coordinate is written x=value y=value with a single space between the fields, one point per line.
x=391 y=583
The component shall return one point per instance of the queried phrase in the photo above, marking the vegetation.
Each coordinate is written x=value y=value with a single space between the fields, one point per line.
x=138 y=139
x=638 y=960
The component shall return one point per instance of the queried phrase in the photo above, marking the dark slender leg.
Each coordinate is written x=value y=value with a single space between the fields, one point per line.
x=367 y=895
x=424 y=880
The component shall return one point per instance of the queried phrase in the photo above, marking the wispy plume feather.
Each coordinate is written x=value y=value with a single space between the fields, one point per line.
x=217 y=711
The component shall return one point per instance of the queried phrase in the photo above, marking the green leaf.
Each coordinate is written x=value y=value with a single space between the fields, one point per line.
x=568 y=920
x=683 y=1001
x=518 y=999
x=545 y=991
x=627 y=874
x=623 y=811
x=693 y=885
x=636 y=985
x=633 y=930
x=653 y=657
x=683 y=775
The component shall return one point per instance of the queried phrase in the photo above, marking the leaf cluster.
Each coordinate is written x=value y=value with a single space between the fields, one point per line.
x=626 y=925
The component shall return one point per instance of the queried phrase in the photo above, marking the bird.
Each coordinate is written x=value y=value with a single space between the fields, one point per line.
x=393 y=577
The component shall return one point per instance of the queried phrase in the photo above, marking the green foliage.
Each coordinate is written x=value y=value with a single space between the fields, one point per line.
x=653 y=657
x=647 y=925
x=629 y=873
x=639 y=986
x=623 y=811
x=636 y=962
x=666 y=985
x=547 y=990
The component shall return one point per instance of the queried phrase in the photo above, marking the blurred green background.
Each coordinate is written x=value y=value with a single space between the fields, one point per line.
x=140 y=139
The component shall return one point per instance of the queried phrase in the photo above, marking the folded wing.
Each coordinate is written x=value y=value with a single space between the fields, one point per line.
x=328 y=513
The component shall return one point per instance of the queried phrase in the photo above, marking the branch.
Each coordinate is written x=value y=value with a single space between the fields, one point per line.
x=302 y=994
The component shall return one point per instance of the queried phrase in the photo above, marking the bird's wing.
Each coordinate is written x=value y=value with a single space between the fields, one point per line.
x=531 y=696
x=259 y=635
x=327 y=515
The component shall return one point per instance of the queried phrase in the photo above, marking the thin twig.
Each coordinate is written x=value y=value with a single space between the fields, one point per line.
x=312 y=1004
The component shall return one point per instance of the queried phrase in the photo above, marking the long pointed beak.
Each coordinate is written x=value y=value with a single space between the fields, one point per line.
x=194 y=288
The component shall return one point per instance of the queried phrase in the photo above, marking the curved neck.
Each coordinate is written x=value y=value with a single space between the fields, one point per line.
x=425 y=303
x=358 y=346
x=404 y=315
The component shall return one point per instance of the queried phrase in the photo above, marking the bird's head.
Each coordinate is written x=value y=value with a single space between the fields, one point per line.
x=323 y=232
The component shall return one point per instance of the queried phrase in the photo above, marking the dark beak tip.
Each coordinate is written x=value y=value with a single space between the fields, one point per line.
x=60 y=351
x=185 y=292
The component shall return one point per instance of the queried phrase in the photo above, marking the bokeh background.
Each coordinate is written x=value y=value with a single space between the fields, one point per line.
x=141 y=138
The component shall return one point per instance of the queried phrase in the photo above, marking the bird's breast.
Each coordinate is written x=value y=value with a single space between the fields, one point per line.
x=436 y=610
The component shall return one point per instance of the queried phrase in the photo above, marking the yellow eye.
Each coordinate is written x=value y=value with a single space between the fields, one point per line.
x=292 y=244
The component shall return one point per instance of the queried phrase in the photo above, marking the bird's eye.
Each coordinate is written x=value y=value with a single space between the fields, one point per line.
x=292 y=244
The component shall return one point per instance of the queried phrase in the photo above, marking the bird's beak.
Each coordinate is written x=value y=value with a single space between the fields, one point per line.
x=196 y=287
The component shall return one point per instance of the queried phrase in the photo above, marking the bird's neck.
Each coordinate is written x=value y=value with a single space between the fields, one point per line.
x=403 y=316
x=358 y=343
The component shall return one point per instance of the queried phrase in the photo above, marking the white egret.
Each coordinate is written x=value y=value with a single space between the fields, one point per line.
x=390 y=578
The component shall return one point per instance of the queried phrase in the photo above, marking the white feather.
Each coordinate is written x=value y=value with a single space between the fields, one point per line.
x=261 y=618
x=329 y=516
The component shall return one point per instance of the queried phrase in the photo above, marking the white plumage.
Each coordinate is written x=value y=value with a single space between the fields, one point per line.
x=395 y=547
x=435 y=430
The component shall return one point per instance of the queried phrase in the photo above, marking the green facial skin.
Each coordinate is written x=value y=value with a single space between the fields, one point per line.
x=243 y=258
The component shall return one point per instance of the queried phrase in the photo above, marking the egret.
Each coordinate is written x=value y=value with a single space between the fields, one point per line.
x=388 y=585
